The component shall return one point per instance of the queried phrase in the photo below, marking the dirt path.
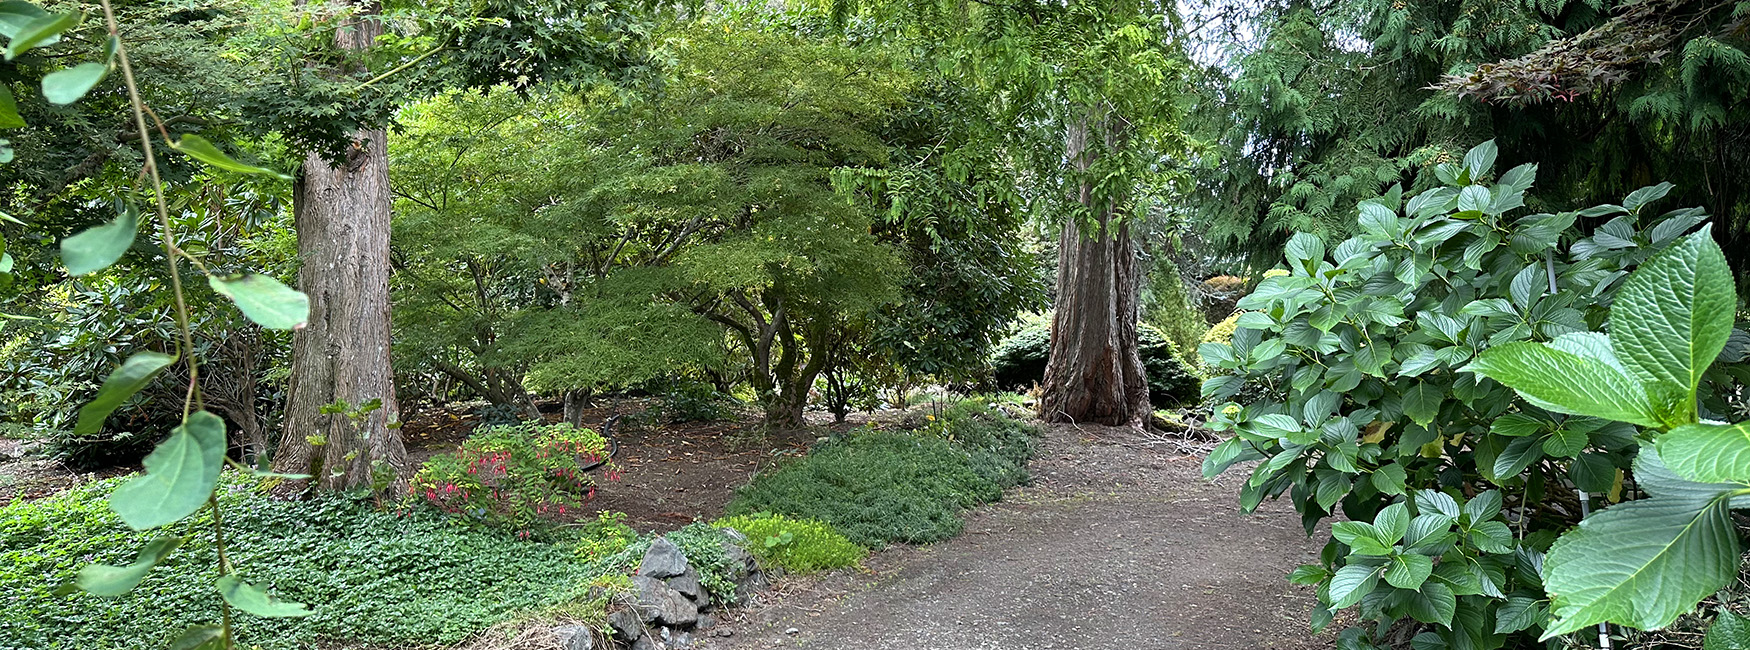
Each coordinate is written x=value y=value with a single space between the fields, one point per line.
x=1113 y=546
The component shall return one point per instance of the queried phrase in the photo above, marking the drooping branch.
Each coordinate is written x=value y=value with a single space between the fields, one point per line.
x=1641 y=34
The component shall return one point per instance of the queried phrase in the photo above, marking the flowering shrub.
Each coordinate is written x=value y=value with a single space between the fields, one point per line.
x=516 y=475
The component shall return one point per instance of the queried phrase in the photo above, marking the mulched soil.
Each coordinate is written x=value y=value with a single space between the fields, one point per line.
x=670 y=475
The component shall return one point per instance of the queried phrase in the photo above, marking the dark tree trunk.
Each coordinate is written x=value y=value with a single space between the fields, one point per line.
x=1095 y=372
x=575 y=403
x=341 y=214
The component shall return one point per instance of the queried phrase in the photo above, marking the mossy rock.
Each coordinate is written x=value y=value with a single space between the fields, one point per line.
x=1019 y=363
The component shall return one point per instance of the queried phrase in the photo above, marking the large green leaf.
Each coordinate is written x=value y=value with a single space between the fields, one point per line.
x=1729 y=632
x=9 y=118
x=1673 y=315
x=105 y=580
x=265 y=300
x=100 y=246
x=180 y=474
x=1644 y=563
x=1708 y=453
x=121 y=384
x=200 y=149
x=42 y=30
x=203 y=637
x=15 y=14
x=252 y=599
x=63 y=87
x=1561 y=381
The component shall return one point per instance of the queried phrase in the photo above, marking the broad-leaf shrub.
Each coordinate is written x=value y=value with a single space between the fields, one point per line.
x=795 y=545
x=514 y=475
x=1646 y=562
x=1453 y=487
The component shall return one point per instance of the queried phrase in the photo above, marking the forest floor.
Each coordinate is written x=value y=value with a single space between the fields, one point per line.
x=1118 y=543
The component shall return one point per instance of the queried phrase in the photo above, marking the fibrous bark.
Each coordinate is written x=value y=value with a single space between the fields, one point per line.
x=341 y=214
x=1095 y=373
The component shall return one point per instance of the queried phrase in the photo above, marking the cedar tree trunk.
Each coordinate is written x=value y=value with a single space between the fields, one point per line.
x=1095 y=373
x=341 y=214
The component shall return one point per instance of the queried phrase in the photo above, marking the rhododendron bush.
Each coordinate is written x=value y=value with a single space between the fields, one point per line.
x=520 y=475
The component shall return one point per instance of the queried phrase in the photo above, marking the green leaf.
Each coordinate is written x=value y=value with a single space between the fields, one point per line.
x=1408 y=570
x=203 y=637
x=9 y=118
x=1308 y=574
x=1641 y=197
x=101 y=580
x=63 y=87
x=1567 y=441
x=180 y=474
x=1351 y=583
x=1422 y=403
x=100 y=246
x=1729 y=632
x=1515 y=425
x=1303 y=248
x=1277 y=425
x=1392 y=523
x=1518 y=613
x=1564 y=382
x=1433 y=603
x=1518 y=179
x=15 y=14
x=1436 y=502
x=1709 y=453
x=1673 y=315
x=1593 y=473
x=1389 y=479
x=265 y=300
x=39 y=32
x=249 y=598
x=121 y=384
x=1480 y=159
x=199 y=149
x=1641 y=563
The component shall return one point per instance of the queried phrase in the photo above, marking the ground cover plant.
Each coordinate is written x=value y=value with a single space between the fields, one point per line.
x=1362 y=394
x=794 y=545
x=881 y=487
x=373 y=576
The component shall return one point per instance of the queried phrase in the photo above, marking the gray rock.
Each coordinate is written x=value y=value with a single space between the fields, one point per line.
x=627 y=624
x=657 y=602
x=748 y=588
x=705 y=622
x=735 y=537
x=688 y=584
x=663 y=560
x=680 y=640
x=575 y=637
x=646 y=643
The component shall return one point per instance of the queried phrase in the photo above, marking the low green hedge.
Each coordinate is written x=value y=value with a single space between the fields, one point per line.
x=372 y=577
x=880 y=487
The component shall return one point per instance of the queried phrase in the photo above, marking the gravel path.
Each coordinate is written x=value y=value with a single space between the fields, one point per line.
x=1117 y=544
